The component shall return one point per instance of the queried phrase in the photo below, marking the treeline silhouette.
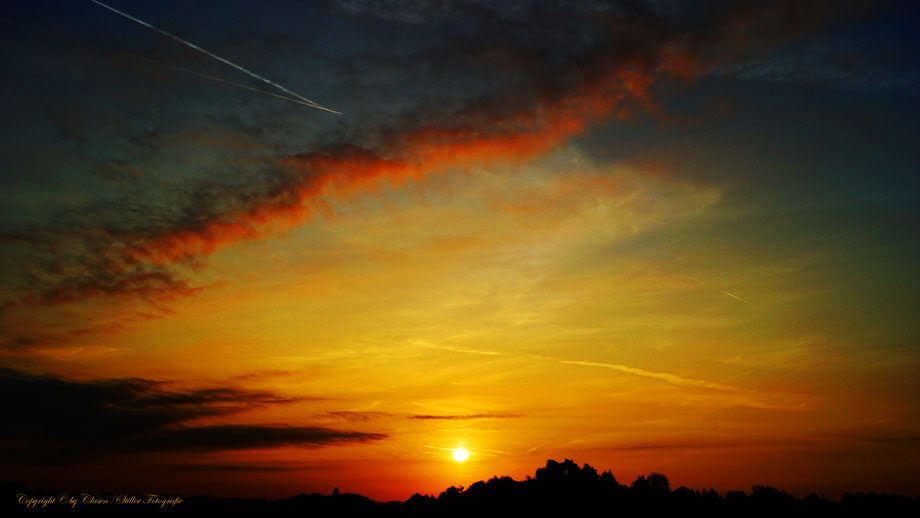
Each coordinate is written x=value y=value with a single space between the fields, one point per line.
x=559 y=489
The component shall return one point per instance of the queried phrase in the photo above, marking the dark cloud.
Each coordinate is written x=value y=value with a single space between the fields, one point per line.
x=488 y=82
x=153 y=284
x=346 y=415
x=59 y=420
x=249 y=467
x=235 y=437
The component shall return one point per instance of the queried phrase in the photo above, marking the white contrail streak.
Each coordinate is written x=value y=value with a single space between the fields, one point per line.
x=175 y=67
x=227 y=81
x=732 y=295
x=187 y=43
x=664 y=376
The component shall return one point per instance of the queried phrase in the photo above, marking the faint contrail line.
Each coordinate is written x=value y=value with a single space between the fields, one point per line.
x=168 y=65
x=736 y=297
x=189 y=44
x=664 y=376
x=732 y=295
x=227 y=81
x=531 y=450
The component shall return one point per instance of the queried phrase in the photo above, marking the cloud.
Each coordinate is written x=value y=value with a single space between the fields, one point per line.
x=371 y=415
x=663 y=376
x=60 y=420
x=235 y=437
x=250 y=467
x=145 y=283
x=545 y=74
x=348 y=415
x=464 y=417
x=705 y=445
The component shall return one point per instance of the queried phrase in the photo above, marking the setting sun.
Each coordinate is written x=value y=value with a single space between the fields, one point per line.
x=461 y=454
x=641 y=236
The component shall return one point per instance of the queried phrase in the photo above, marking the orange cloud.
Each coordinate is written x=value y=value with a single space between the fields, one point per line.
x=514 y=125
x=410 y=155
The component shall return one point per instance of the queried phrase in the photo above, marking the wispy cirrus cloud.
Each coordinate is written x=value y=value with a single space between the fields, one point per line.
x=463 y=417
x=553 y=72
x=352 y=415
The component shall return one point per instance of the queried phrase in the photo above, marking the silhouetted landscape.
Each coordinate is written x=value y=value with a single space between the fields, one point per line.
x=252 y=251
x=557 y=489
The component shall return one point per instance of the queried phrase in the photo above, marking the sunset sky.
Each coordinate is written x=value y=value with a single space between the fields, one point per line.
x=649 y=235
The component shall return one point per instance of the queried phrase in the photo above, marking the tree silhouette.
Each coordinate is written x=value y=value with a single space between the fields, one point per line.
x=559 y=489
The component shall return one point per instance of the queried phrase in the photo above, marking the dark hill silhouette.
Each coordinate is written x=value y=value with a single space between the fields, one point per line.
x=560 y=489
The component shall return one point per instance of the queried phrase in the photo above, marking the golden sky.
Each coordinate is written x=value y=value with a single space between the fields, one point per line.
x=590 y=274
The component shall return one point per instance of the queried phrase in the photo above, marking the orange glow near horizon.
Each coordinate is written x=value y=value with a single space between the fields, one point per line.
x=640 y=237
x=513 y=310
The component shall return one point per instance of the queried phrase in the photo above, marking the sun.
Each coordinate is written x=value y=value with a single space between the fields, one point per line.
x=461 y=454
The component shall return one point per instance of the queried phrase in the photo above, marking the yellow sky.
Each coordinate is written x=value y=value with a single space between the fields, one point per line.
x=555 y=309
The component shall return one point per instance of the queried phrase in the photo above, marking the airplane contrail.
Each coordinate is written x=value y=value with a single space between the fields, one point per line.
x=174 y=67
x=732 y=295
x=189 y=44
x=227 y=81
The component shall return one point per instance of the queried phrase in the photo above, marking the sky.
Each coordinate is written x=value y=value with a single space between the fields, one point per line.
x=650 y=236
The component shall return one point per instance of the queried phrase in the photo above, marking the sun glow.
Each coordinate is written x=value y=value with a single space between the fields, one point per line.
x=461 y=454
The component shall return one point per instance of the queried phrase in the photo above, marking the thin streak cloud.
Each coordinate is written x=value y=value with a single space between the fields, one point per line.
x=226 y=61
x=664 y=376
x=720 y=290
